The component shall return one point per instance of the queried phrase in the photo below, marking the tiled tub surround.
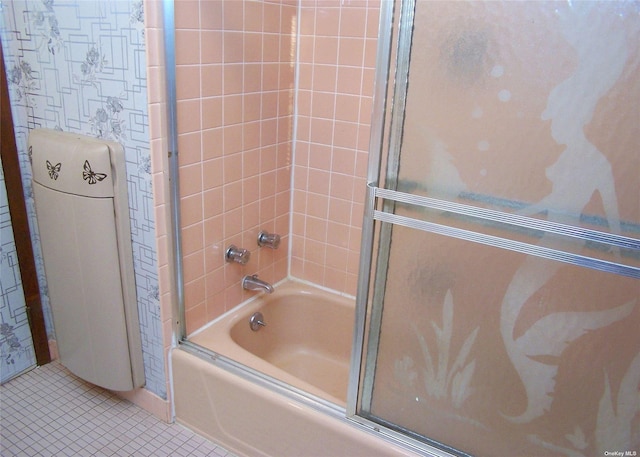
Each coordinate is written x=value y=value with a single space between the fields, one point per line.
x=235 y=90
x=336 y=64
x=258 y=153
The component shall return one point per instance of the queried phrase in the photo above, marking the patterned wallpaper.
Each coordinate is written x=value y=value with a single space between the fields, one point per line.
x=80 y=66
x=16 y=348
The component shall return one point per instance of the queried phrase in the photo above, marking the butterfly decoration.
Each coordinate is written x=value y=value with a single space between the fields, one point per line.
x=89 y=175
x=53 y=170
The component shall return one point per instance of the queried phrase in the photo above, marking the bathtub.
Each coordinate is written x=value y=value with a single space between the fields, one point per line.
x=278 y=391
x=306 y=342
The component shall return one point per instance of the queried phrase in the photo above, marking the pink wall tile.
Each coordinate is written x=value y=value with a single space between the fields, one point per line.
x=335 y=81
x=187 y=47
x=349 y=80
x=187 y=14
x=324 y=105
x=251 y=136
x=344 y=159
x=212 y=175
x=212 y=143
x=340 y=211
x=210 y=14
x=253 y=13
x=319 y=156
x=188 y=116
x=351 y=50
x=236 y=115
x=155 y=47
x=156 y=87
x=348 y=107
x=233 y=15
x=321 y=130
x=190 y=177
x=325 y=50
x=251 y=217
x=232 y=195
x=212 y=202
x=212 y=50
x=192 y=237
x=327 y=20
x=270 y=47
x=191 y=209
x=317 y=205
x=190 y=147
x=232 y=111
x=324 y=77
x=211 y=83
x=232 y=139
x=195 y=317
x=193 y=264
x=353 y=22
x=271 y=18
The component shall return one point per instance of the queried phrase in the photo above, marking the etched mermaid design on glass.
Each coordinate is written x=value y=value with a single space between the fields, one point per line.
x=580 y=171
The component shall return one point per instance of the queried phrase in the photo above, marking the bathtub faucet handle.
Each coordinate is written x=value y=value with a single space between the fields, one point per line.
x=236 y=254
x=256 y=321
x=270 y=240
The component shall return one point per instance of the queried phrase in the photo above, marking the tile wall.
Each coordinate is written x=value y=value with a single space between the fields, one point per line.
x=237 y=106
x=235 y=66
x=338 y=41
x=237 y=113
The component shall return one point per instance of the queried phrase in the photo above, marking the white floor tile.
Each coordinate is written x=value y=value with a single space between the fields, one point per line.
x=50 y=412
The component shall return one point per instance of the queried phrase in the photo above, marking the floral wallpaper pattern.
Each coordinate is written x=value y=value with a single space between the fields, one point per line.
x=16 y=348
x=79 y=66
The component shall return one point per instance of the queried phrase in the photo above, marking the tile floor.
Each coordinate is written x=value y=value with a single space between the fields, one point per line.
x=50 y=412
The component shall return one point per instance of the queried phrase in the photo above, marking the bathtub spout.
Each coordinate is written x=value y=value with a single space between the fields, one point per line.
x=253 y=283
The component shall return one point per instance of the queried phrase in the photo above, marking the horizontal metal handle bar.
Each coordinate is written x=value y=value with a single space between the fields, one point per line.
x=517 y=246
x=611 y=239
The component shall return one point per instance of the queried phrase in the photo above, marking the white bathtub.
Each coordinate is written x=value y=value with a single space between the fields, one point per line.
x=306 y=344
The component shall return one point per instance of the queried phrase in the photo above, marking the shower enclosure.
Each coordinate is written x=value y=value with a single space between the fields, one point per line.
x=498 y=301
x=499 y=294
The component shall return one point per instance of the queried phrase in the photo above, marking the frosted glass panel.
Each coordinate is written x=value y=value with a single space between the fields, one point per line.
x=525 y=109
x=496 y=353
x=531 y=107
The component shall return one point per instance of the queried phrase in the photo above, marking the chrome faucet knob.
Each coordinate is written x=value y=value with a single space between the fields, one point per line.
x=256 y=321
x=270 y=240
x=236 y=254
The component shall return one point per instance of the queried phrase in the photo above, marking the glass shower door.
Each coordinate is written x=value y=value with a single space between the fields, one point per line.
x=504 y=304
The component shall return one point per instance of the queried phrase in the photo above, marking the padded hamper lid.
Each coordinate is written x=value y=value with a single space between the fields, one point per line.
x=72 y=163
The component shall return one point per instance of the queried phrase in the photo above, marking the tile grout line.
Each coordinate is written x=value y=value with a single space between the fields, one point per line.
x=49 y=411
